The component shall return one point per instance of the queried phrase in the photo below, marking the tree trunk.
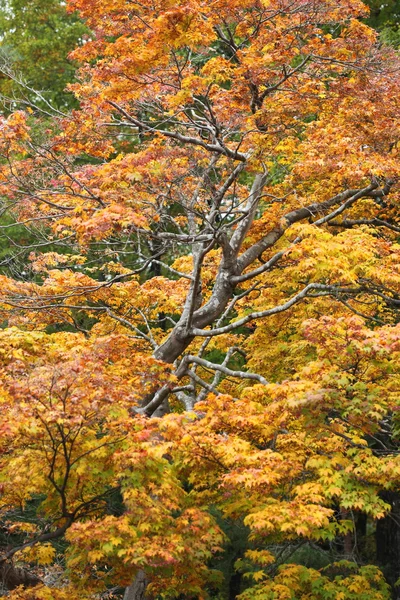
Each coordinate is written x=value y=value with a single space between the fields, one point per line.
x=137 y=589
x=12 y=577
x=347 y=541
x=361 y=537
x=388 y=542
x=235 y=585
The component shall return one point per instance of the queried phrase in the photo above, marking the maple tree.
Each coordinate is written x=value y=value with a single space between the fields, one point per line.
x=213 y=345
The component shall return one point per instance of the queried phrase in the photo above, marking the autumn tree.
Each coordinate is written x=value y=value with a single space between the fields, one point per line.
x=216 y=345
x=36 y=37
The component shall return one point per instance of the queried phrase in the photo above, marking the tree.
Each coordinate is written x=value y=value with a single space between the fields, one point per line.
x=36 y=38
x=226 y=195
x=382 y=14
x=385 y=18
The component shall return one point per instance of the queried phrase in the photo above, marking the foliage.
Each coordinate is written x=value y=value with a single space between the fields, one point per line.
x=36 y=38
x=385 y=17
x=298 y=582
x=202 y=367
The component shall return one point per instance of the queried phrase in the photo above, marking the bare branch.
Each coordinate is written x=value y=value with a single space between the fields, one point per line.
x=324 y=290
x=219 y=149
x=349 y=223
x=223 y=369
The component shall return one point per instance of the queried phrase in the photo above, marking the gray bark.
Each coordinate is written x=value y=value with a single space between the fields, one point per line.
x=137 y=589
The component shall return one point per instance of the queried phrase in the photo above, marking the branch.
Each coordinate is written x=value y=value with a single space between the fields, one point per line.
x=265 y=267
x=346 y=199
x=44 y=537
x=194 y=297
x=156 y=401
x=217 y=367
x=185 y=139
x=207 y=386
x=349 y=223
x=224 y=315
x=325 y=290
x=218 y=374
x=105 y=309
x=251 y=207
x=286 y=76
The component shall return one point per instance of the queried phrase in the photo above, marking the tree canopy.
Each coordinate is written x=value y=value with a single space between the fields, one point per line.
x=200 y=366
